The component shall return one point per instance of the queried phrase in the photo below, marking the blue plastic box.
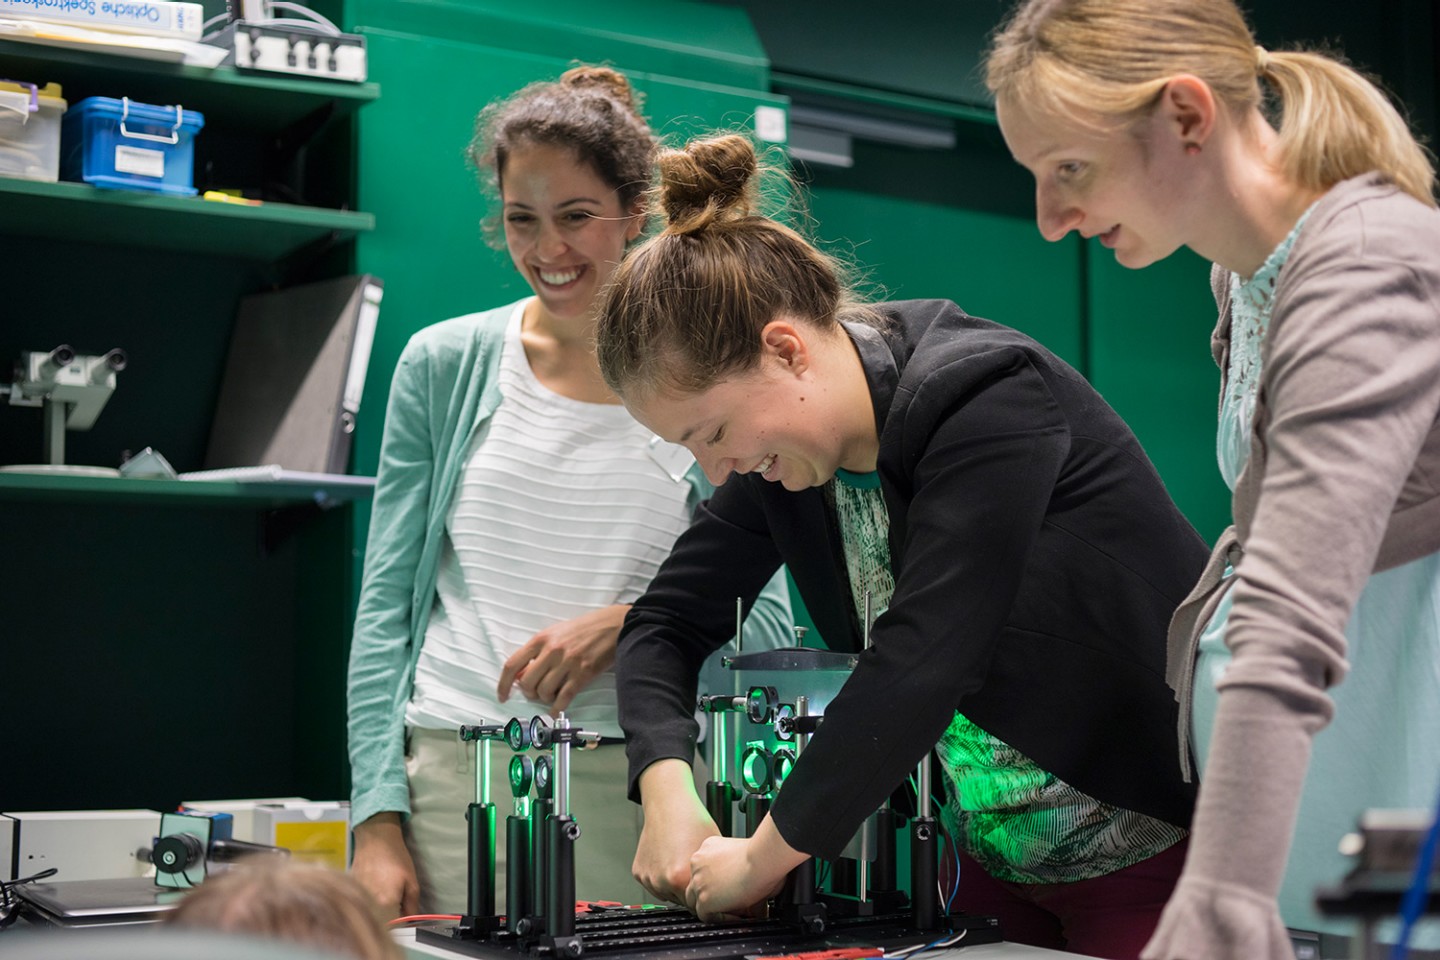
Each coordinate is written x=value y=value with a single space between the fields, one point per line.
x=126 y=145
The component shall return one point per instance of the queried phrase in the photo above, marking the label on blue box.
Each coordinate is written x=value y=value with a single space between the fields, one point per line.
x=140 y=161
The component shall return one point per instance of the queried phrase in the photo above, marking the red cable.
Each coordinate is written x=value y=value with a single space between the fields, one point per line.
x=424 y=916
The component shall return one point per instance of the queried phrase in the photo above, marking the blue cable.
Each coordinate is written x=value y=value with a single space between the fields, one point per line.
x=1414 y=902
x=955 y=884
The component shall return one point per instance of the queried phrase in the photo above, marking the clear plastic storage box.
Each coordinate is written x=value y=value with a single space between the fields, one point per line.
x=30 y=130
x=127 y=145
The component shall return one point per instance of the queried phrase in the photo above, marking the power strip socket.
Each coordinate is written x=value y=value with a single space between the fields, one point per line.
x=274 y=48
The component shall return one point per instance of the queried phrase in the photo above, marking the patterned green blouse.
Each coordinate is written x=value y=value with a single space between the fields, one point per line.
x=1019 y=822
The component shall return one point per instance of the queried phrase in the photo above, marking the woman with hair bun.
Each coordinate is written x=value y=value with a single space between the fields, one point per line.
x=1148 y=123
x=518 y=511
x=1017 y=549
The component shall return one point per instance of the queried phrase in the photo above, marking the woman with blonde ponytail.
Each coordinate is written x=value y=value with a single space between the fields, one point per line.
x=1016 y=550
x=518 y=510
x=1148 y=124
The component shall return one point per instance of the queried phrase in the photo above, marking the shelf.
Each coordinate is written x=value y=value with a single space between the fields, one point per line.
x=78 y=211
x=237 y=100
x=271 y=494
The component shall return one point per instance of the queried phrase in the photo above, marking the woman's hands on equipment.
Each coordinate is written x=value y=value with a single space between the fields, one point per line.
x=728 y=876
x=676 y=823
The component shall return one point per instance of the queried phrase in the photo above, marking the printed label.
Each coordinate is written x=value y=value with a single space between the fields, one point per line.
x=770 y=123
x=139 y=161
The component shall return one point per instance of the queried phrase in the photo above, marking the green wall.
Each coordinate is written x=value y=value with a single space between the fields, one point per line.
x=1141 y=337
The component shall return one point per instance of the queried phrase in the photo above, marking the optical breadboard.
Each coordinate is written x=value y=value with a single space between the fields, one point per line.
x=640 y=933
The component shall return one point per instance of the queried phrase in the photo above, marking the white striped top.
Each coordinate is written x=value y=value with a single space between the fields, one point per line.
x=564 y=507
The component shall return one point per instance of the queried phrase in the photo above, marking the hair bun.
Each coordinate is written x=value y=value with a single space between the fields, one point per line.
x=711 y=178
x=613 y=83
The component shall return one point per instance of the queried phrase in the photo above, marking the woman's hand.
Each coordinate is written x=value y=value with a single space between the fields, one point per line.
x=728 y=876
x=383 y=865
x=561 y=660
x=676 y=823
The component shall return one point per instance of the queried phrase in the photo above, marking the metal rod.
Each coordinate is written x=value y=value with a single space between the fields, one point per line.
x=739 y=625
x=54 y=446
x=802 y=709
x=866 y=632
x=562 y=767
x=719 y=746
x=924 y=807
x=485 y=769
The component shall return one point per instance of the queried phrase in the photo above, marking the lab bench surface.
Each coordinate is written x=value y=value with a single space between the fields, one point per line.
x=982 y=951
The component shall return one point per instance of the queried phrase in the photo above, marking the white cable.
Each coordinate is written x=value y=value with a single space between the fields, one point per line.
x=303 y=11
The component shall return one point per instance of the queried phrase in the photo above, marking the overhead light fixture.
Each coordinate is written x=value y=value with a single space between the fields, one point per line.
x=816 y=145
x=824 y=135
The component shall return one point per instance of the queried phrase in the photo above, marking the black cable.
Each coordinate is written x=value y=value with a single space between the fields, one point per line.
x=9 y=903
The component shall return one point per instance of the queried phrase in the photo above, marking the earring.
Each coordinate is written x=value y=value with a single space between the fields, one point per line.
x=1192 y=149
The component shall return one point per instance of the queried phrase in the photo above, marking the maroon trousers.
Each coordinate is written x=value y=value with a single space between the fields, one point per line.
x=1111 y=916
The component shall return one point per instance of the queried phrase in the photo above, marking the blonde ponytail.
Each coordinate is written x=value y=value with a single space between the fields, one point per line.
x=1108 y=60
x=1337 y=124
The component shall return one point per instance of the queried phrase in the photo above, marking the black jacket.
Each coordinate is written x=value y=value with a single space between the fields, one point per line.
x=1037 y=561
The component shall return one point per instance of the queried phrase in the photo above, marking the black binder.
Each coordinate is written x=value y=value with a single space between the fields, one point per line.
x=294 y=376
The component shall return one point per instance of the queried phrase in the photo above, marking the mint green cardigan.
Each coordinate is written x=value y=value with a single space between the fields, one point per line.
x=444 y=387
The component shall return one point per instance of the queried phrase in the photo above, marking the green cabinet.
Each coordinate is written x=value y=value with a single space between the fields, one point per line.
x=165 y=640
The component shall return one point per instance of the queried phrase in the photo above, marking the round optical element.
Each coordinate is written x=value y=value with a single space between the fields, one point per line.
x=177 y=853
x=517 y=734
x=522 y=774
x=783 y=762
x=539 y=733
x=760 y=704
x=755 y=767
x=785 y=721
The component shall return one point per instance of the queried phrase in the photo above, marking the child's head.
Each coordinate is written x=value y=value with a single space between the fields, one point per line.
x=296 y=902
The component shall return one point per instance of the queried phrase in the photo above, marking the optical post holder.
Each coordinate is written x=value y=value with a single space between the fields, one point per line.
x=480 y=918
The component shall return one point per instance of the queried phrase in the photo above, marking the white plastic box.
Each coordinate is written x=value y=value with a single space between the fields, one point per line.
x=314 y=831
x=83 y=844
x=244 y=813
x=30 y=130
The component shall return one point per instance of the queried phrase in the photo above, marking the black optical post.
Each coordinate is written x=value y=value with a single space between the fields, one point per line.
x=562 y=832
x=480 y=918
x=540 y=811
x=800 y=887
x=924 y=859
x=518 y=843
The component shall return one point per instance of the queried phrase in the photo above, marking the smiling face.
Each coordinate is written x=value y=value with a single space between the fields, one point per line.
x=749 y=424
x=795 y=417
x=1120 y=188
x=565 y=228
